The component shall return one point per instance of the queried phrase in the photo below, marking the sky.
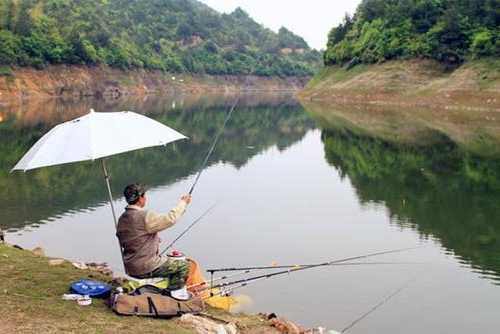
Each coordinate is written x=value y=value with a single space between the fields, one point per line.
x=310 y=19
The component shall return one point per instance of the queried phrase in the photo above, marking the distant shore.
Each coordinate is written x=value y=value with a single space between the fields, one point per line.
x=77 y=81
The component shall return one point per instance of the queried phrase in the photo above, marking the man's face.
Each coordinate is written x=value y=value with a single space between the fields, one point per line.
x=142 y=201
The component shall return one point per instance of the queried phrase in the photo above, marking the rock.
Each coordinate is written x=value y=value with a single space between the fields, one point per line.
x=80 y=265
x=286 y=326
x=56 y=262
x=208 y=326
x=38 y=251
x=102 y=268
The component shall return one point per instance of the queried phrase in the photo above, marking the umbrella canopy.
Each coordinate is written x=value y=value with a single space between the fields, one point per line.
x=96 y=135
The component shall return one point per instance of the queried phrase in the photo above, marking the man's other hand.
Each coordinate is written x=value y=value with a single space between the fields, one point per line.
x=186 y=198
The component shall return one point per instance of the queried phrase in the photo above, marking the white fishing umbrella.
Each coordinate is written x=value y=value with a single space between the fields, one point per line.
x=96 y=136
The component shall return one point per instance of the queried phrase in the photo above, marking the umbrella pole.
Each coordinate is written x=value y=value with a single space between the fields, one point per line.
x=106 y=177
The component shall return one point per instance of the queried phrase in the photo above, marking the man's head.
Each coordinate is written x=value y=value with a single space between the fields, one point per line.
x=135 y=194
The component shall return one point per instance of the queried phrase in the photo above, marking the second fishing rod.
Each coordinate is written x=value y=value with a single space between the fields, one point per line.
x=245 y=281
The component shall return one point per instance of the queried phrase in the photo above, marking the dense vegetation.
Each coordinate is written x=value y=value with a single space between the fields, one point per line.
x=449 y=31
x=168 y=35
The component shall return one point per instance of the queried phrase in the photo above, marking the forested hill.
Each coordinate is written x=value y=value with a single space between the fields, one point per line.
x=449 y=31
x=169 y=35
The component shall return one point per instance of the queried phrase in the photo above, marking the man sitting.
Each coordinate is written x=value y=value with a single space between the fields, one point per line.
x=138 y=230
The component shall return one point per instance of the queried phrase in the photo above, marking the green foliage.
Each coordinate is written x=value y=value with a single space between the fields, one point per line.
x=10 y=50
x=485 y=43
x=168 y=35
x=446 y=30
x=6 y=71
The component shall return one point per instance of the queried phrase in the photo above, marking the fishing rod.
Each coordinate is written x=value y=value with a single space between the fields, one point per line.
x=212 y=148
x=247 y=271
x=217 y=279
x=188 y=228
x=297 y=266
x=201 y=168
x=244 y=282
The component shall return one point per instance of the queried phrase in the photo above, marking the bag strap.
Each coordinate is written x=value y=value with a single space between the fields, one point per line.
x=152 y=307
x=179 y=308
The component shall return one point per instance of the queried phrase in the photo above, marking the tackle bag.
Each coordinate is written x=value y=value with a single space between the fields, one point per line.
x=146 y=301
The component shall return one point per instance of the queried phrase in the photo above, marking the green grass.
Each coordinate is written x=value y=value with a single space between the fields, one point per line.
x=489 y=71
x=334 y=74
x=31 y=291
x=6 y=71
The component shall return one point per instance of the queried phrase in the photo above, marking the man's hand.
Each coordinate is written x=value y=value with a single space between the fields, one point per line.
x=186 y=198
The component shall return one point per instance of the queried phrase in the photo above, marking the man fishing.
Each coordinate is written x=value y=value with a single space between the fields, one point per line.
x=137 y=232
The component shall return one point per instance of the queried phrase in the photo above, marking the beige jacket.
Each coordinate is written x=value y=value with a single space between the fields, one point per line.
x=137 y=232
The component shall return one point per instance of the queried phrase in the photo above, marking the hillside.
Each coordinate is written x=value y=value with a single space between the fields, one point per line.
x=178 y=36
x=414 y=52
x=448 y=31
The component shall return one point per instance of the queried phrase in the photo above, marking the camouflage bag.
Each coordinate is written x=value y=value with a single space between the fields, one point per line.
x=150 y=301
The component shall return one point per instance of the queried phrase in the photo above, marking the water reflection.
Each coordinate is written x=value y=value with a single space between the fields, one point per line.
x=41 y=195
x=429 y=183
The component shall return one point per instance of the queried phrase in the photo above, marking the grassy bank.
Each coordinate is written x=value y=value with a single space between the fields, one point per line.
x=31 y=291
x=413 y=82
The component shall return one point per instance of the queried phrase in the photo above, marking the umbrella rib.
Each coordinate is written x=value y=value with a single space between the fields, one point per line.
x=91 y=117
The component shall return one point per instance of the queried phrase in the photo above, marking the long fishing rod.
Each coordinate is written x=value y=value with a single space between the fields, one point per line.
x=197 y=220
x=296 y=266
x=245 y=281
x=200 y=170
x=212 y=148
x=248 y=271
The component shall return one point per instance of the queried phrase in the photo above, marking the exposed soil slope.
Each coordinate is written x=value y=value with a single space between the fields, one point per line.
x=413 y=82
x=102 y=80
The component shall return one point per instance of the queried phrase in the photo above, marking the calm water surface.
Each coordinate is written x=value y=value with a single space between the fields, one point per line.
x=290 y=187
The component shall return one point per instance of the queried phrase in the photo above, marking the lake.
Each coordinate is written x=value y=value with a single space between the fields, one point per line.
x=292 y=184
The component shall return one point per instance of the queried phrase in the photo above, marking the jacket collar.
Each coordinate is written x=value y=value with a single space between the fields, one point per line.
x=133 y=207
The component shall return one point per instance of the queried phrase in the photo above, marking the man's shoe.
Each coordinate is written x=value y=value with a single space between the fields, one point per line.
x=180 y=294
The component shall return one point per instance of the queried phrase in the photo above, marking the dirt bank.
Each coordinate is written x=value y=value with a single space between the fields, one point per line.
x=65 y=80
x=419 y=82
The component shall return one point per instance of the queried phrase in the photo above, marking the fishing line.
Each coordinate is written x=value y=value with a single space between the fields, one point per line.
x=212 y=148
x=381 y=303
x=188 y=228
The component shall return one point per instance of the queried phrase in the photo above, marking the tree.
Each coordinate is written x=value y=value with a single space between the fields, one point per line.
x=10 y=50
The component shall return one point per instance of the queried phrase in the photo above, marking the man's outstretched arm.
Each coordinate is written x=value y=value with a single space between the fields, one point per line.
x=158 y=222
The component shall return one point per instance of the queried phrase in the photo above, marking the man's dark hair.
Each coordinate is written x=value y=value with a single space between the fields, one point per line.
x=132 y=192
